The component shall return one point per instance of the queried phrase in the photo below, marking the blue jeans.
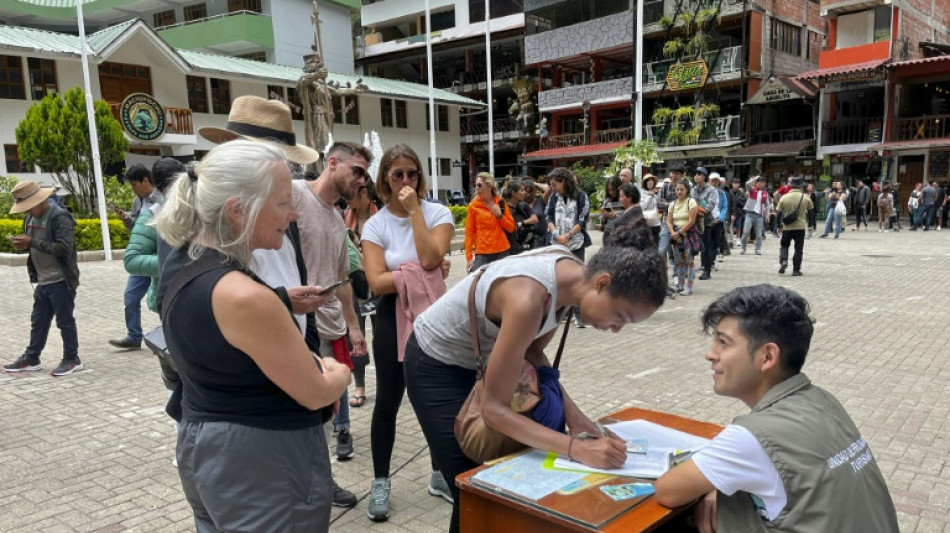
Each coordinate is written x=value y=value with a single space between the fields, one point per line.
x=664 y=245
x=342 y=420
x=53 y=300
x=753 y=221
x=923 y=216
x=135 y=290
x=833 y=220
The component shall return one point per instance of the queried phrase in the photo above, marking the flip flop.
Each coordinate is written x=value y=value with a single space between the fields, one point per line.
x=357 y=401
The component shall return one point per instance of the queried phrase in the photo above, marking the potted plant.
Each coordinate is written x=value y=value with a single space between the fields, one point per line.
x=673 y=47
x=675 y=137
x=698 y=44
x=691 y=136
x=662 y=115
x=666 y=22
x=705 y=17
x=683 y=114
x=703 y=111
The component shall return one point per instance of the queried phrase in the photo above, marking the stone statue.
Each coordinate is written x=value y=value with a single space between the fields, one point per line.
x=523 y=90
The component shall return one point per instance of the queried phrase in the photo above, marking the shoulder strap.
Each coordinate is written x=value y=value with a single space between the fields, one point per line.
x=206 y=263
x=473 y=321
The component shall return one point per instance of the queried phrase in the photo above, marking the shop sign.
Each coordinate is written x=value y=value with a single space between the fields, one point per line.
x=852 y=158
x=773 y=91
x=142 y=117
x=690 y=75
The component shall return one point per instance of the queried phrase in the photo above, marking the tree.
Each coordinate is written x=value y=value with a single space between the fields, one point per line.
x=54 y=134
x=642 y=151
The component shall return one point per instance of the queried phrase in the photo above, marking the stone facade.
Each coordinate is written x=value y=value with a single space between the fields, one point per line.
x=531 y=5
x=555 y=98
x=590 y=36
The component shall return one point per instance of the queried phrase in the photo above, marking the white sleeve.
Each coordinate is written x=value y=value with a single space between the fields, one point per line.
x=734 y=461
x=438 y=215
x=372 y=231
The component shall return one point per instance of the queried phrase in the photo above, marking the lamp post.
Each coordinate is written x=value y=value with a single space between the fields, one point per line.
x=585 y=105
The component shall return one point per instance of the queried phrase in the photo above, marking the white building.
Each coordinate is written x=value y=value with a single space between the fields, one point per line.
x=196 y=89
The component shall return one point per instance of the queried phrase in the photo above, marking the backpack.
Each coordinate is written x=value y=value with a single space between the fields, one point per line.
x=882 y=201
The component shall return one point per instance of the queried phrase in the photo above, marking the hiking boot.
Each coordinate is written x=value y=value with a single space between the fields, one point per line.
x=24 y=364
x=438 y=487
x=705 y=275
x=67 y=366
x=781 y=269
x=344 y=445
x=378 y=509
x=796 y=272
x=126 y=344
x=343 y=497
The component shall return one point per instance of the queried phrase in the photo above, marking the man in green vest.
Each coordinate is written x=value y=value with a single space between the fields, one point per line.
x=796 y=462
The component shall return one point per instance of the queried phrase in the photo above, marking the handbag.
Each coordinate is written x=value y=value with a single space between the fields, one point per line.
x=476 y=440
x=840 y=208
x=793 y=216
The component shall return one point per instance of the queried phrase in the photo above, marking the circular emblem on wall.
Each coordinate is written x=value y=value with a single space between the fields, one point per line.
x=142 y=117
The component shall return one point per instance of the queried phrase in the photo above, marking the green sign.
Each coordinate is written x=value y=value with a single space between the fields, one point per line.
x=690 y=75
x=142 y=117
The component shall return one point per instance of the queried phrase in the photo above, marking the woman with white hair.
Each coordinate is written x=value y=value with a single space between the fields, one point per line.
x=251 y=447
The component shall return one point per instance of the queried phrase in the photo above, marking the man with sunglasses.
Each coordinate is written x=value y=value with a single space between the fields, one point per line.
x=323 y=244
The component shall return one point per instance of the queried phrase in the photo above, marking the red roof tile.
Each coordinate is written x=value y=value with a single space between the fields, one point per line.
x=847 y=69
x=937 y=59
x=570 y=152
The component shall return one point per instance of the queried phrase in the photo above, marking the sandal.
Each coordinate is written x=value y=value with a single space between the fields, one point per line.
x=357 y=400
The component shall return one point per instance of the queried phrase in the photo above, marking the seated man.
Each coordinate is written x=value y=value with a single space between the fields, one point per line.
x=796 y=463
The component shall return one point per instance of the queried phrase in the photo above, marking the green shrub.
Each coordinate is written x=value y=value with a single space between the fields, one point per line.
x=7 y=184
x=88 y=234
x=589 y=179
x=460 y=213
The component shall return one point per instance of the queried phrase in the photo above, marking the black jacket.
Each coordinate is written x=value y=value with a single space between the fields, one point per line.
x=60 y=241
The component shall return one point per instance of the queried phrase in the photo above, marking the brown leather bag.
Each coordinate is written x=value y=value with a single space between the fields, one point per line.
x=478 y=441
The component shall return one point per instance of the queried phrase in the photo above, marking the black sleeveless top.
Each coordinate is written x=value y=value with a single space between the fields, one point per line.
x=220 y=382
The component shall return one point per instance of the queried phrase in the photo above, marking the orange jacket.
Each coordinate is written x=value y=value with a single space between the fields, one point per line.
x=484 y=232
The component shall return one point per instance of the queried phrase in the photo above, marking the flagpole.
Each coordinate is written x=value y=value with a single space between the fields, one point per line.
x=491 y=115
x=638 y=84
x=433 y=158
x=93 y=138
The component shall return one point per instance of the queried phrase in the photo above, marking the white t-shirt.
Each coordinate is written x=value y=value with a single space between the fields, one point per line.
x=734 y=461
x=278 y=268
x=394 y=234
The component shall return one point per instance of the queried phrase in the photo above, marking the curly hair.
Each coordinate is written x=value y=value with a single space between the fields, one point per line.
x=567 y=177
x=636 y=268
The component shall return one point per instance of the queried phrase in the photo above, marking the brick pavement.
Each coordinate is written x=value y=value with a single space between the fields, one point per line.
x=92 y=451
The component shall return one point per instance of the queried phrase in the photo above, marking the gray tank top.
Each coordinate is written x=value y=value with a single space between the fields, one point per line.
x=442 y=330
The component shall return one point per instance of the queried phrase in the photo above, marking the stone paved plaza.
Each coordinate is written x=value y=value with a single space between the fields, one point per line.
x=92 y=451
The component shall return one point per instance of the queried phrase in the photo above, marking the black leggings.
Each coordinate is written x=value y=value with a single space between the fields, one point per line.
x=437 y=392
x=390 y=387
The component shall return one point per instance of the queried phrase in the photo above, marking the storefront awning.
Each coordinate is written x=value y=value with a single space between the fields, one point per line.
x=846 y=72
x=782 y=89
x=708 y=150
x=923 y=61
x=901 y=146
x=779 y=149
x=573 y=152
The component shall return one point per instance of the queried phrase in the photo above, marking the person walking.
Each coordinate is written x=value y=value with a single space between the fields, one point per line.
x=755 y=209
x=793 y=208
x=488 y=224
x=707 y=197
x=885 y=208
x=49 y=239
x=834 y=220
x=813 y=214
x=146 y=196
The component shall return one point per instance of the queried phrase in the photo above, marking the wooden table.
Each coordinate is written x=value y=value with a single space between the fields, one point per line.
x=485 y=511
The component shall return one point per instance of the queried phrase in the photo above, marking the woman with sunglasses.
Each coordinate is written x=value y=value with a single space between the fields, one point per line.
x=407 y=230
x=488 y=224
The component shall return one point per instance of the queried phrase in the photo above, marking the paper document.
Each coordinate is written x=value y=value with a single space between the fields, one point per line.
x=663 y=442
x=525 y=477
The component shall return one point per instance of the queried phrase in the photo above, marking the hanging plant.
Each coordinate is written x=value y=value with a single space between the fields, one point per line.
x=706 y=16
x=662 y=115
x=703 y=111
x=666 y=22
x=683 y=114
x=673 y=47
x=699 y=44
x=687 y=20
x=675 y=137
x=691 y=136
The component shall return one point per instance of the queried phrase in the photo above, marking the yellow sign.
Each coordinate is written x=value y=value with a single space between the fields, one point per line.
x=690 y=75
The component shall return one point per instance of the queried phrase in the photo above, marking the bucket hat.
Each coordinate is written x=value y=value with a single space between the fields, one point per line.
x=260 y=119
x=27 y=195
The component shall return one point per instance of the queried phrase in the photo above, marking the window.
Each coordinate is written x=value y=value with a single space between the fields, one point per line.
x=244 y=5
x=882 y=23
x=445 y=166
x=293 y=100
x=275 y=92
x=402 y=118
x=14 y=165
x=11 y=78
x=786 y=37
x=814 y=46
x=220 y=96
x=442 y=115
x=164 y=18
x=195 y=12
x=386 y=112
x=254 y=56
x=42 y=77
x=197 y=94
x=346 y=110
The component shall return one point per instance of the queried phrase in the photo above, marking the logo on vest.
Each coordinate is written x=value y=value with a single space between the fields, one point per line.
x=142 y=117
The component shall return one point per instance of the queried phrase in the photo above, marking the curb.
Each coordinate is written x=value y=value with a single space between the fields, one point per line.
x=18 y=260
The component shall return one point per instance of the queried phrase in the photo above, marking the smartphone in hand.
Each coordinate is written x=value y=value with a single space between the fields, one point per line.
x=335 y=286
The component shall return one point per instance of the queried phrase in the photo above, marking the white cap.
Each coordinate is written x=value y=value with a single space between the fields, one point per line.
x=715 y=176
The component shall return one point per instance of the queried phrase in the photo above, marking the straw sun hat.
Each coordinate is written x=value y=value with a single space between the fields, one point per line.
x=260 y=119
x=27 y=195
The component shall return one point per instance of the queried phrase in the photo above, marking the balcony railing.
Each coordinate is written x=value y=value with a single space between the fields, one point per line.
x=789 y=134
x=852 y=131
x=711 y=130
x=578 y=139
x=213 y=17
x=654 y=10
x=562 y=141
x=610 y=136
x=929 y=127
x=720 y=63
x=178 y=121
